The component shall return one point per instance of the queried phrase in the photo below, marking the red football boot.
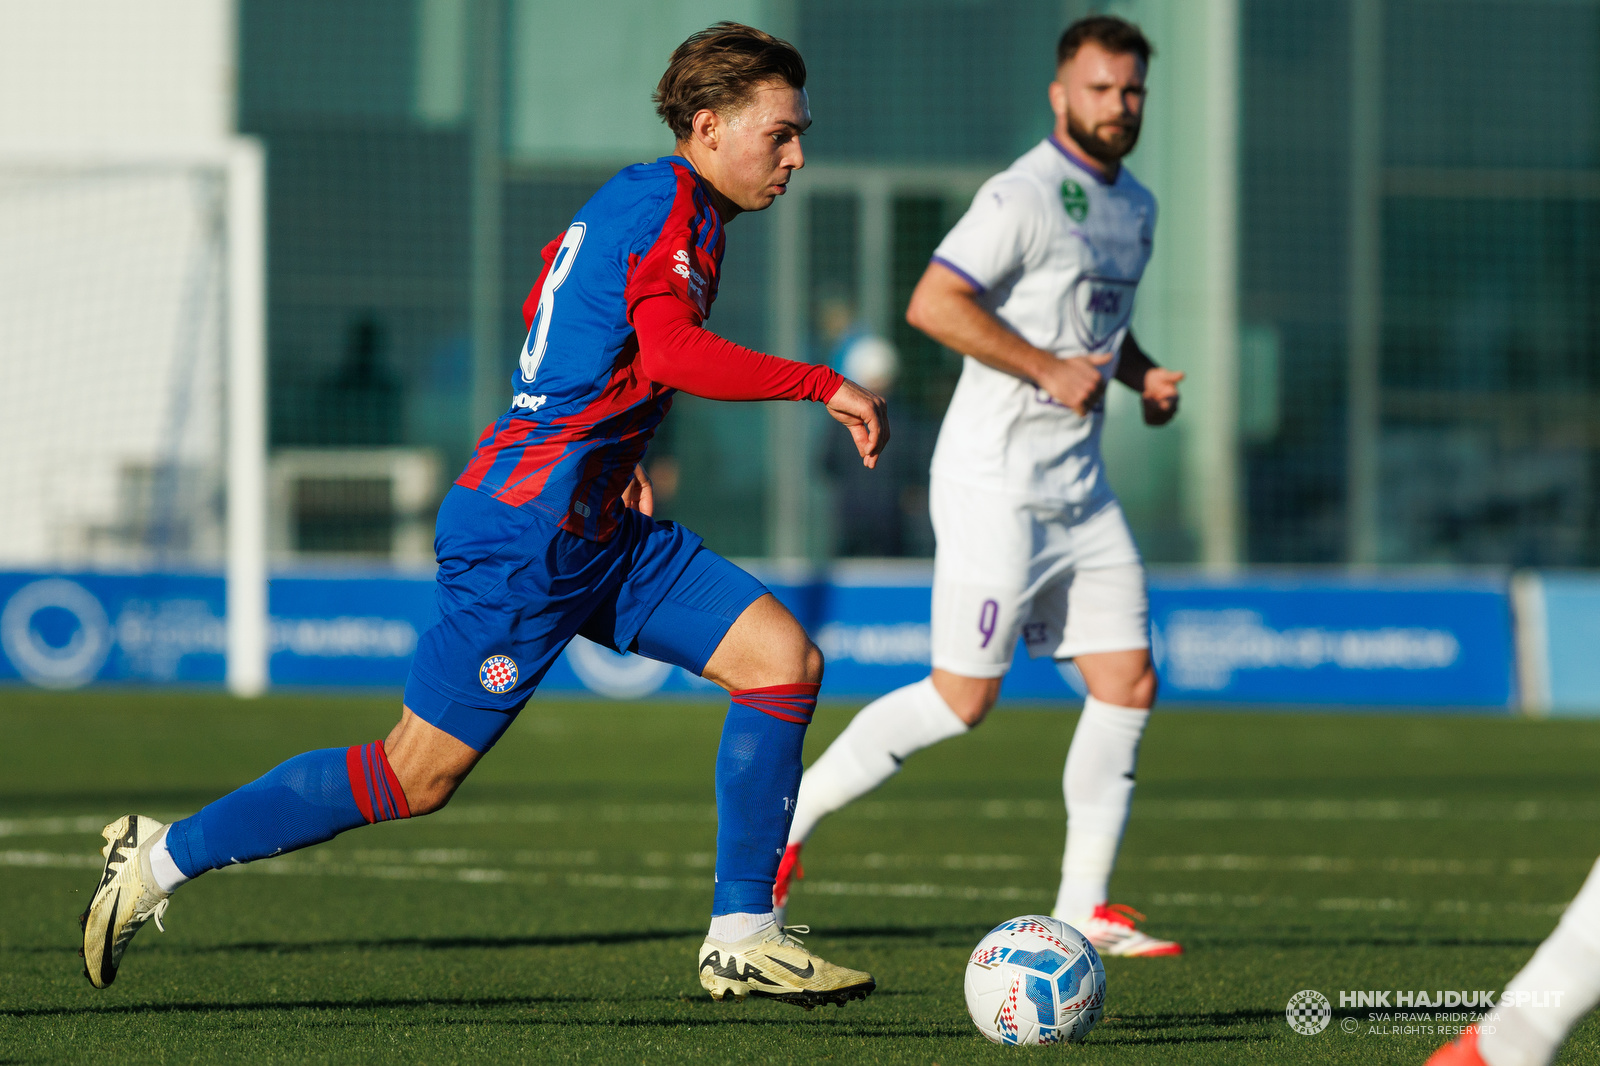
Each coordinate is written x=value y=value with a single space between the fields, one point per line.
x=788 y=870
x=1112 y=932
x=1462 y=1051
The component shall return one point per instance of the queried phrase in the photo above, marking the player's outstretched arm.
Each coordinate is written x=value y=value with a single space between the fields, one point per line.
x=1157 y=386
x=675 y=351
x=945 y=306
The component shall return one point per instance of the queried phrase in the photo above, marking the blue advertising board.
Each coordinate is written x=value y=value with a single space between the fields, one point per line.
x=1293 y=639
x=1258 y=639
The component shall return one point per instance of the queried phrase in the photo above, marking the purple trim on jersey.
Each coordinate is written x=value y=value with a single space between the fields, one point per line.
x=1072 y=158
x=968 y=278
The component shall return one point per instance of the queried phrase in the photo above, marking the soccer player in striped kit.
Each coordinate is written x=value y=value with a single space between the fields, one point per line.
x=1035 y=285
x=547 y=534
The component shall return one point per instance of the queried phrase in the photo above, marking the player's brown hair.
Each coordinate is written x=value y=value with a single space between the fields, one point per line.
x=1117 y=36
x=718 y=69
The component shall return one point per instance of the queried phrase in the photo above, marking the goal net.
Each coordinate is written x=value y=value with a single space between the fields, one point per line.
x=130 y=371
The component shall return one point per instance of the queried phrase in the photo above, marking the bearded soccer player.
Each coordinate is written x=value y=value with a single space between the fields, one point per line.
x=547 y=534
x=1035 y=285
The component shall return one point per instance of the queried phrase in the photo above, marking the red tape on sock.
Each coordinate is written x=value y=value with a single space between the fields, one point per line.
x=373 y=785
x=789 y=703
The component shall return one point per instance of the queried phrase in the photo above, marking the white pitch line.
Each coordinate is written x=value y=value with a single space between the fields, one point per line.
x=1302 y=810
x=1344 y=864
x=52 y=827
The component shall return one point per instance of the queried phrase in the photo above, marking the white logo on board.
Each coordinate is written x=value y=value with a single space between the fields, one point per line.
x=71 y=664
x=622 y=677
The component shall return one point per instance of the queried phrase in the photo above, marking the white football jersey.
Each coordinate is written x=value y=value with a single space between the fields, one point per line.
x=1056 y=253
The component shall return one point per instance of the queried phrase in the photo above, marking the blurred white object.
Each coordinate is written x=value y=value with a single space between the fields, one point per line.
x=871 y=361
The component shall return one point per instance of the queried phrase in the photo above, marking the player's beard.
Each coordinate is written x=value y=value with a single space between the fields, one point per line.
x=1108 y=150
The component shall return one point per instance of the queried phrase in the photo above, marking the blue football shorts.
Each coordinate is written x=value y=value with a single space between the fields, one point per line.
x=514 y=588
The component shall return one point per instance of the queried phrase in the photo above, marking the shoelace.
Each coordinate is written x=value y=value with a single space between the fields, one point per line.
x=785 y=937
x=158 y=912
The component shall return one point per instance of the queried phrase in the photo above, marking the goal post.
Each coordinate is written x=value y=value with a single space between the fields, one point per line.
x=248 y=629
x=132 y=371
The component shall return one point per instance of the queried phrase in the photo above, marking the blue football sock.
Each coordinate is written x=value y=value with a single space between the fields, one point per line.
x=309 y=799
x=758 y=776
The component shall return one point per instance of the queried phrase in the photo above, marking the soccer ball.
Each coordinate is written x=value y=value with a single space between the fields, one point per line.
x=1035 y=980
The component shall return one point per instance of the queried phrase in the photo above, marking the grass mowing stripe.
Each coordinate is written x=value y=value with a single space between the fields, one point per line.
x=441 y=871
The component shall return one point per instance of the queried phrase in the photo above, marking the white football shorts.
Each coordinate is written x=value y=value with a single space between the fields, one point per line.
x=1067 y=583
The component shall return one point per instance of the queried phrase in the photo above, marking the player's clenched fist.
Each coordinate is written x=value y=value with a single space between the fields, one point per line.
x=1160 y=395
x=640 y=495
x=866 y=415
x=1075 y=383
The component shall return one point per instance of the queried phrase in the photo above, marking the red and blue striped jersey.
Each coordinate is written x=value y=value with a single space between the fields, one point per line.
x=582 y=412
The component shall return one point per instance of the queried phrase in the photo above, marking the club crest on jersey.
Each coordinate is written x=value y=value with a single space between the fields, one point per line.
x=1100 y=306
x=498 y=674
x=1075 y=200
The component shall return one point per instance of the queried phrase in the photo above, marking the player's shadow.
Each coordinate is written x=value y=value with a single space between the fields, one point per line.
x=671 y=1004
x=929 y=933
x=293 y=1005
x=1155 y=1029
x=435 y=943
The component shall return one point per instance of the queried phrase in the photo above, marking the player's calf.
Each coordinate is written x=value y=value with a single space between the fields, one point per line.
x=311 y=798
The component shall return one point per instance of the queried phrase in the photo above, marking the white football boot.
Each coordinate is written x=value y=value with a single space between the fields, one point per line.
x=125 y=899
x=1112 y=931
x=773 y=964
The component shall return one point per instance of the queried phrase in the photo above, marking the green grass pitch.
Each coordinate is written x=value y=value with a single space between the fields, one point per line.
x=551 y=913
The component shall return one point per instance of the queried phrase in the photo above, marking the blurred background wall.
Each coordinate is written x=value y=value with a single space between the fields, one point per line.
x=1376 y=256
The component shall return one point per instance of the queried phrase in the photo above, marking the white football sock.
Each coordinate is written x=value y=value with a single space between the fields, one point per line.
x=1563 y=978
x=870 y=750
x=730 y=927
x=1098 y=785
x=162 y=868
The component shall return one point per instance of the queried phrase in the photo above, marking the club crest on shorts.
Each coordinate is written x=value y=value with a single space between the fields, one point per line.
x=498 y=674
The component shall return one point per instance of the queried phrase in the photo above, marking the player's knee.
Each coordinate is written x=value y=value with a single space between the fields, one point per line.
x=969 y=698
x=790 y=657
x=811 y=663
x=975 y=708
x=428 y=793
x=1142 y=693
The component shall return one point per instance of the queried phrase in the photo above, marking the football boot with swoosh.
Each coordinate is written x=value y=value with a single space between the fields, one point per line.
x=125 y=899
x=773 y=964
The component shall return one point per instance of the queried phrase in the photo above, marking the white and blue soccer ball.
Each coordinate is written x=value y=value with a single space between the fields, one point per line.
x=1035 y=980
